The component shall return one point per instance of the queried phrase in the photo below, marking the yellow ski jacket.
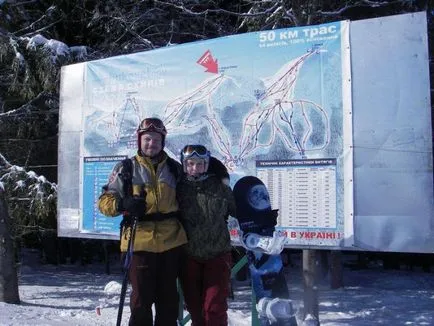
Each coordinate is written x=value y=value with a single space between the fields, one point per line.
x=159 y=184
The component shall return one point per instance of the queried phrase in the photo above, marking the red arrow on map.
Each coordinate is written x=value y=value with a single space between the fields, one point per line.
x=208 y=62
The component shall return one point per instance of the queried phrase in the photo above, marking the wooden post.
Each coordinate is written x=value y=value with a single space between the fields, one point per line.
x=310 y=297
x=336 y=270
x=8 y=270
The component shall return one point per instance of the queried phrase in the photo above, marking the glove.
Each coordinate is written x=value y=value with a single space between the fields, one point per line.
x=135 y=206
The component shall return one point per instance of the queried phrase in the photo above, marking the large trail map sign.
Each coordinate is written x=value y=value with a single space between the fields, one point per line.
x=274 y=104
x=281 y=105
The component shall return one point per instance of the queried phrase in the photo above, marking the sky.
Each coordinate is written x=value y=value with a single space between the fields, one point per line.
x=70 y=295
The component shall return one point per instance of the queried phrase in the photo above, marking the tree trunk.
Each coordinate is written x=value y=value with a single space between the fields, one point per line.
x=8 y=271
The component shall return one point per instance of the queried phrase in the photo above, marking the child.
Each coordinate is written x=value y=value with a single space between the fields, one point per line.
x=205 y=204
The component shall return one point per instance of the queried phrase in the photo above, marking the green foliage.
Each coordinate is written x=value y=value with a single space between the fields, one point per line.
x=29 y=133
x=31 y=199
x=34 y=68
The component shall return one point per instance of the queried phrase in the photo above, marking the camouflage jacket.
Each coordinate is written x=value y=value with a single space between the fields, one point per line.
x=205 y=206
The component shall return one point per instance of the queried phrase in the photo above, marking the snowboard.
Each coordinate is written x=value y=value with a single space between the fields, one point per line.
x=255 y=226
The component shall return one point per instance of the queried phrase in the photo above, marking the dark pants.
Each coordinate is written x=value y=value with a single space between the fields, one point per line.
x=153 y=279
x=206 y=287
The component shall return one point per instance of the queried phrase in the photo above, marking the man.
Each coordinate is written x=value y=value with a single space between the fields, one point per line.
x=159 y=237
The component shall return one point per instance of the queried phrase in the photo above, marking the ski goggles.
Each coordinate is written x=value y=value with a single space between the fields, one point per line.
x=152 y=124
x=195 y=150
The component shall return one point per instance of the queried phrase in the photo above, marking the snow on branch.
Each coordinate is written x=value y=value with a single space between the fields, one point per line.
x=4 y=164
x=80 y=51
x=31 y=198
x=54 y=47
x=34 y=41
x=378 y=3
x=19 y=58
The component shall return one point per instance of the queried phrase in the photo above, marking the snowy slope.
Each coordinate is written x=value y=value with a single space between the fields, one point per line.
x=70 y=294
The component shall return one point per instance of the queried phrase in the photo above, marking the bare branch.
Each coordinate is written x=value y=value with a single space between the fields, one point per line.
x=289 y=14
x=31 y=25
x=16 y=4
x=4 y=164
x=26 y=108
x=221 y=11
x=359 y=4
x=336 y=12
x=43 y=28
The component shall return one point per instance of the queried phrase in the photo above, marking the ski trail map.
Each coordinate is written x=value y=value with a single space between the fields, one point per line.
x=273 y=104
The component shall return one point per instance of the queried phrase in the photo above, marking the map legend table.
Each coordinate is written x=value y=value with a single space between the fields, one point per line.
x=304 y=191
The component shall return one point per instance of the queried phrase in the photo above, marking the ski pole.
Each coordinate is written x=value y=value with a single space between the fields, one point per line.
x=127 y=263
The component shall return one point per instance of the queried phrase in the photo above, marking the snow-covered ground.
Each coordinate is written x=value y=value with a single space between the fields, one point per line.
x=70 y=295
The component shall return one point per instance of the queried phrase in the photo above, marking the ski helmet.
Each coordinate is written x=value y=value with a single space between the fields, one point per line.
x=148 y=125
x=195 y=151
